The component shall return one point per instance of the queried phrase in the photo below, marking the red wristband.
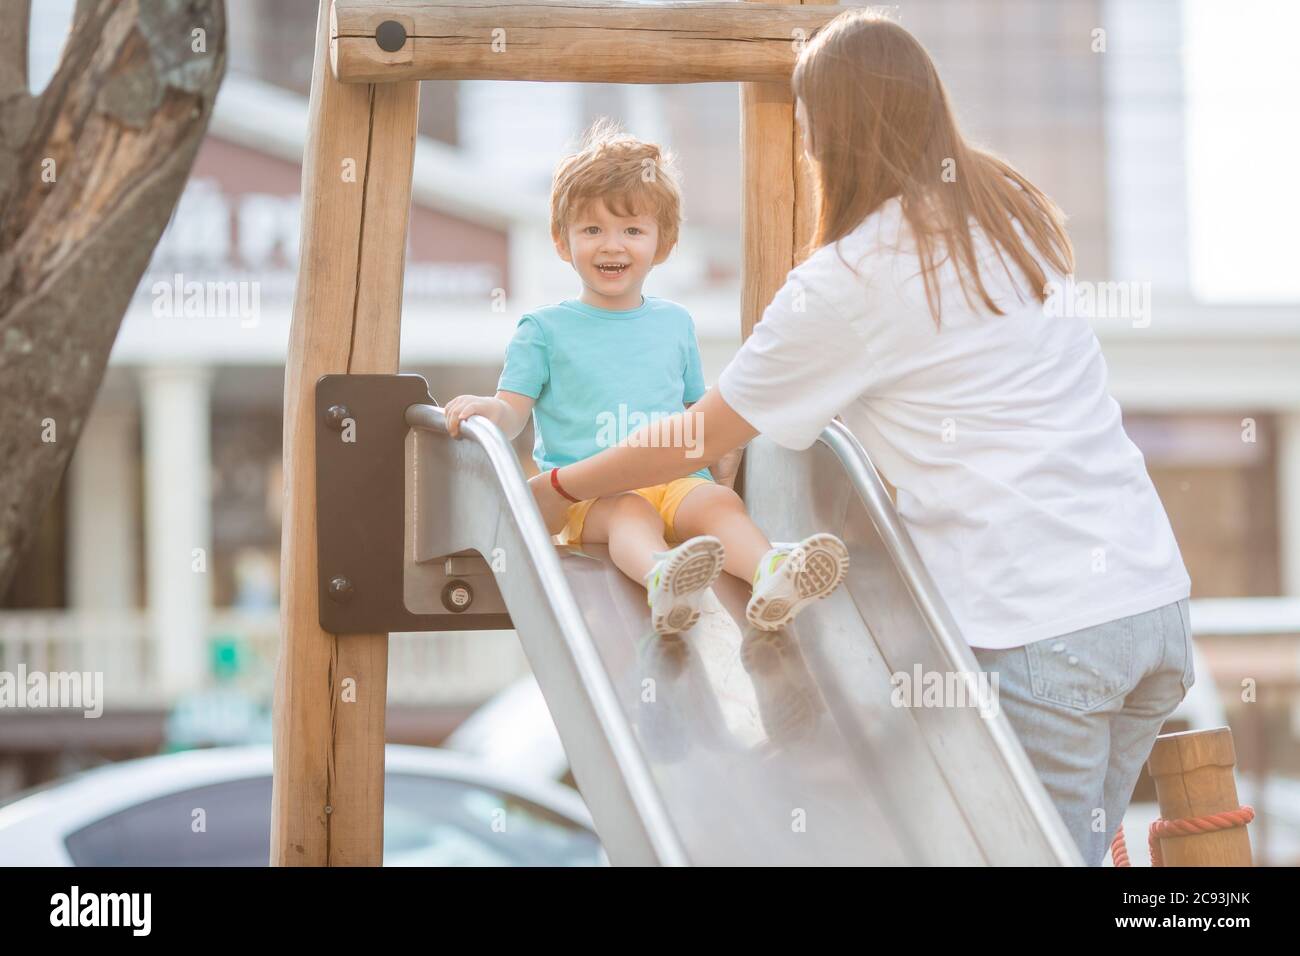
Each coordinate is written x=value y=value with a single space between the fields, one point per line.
x=555 y=483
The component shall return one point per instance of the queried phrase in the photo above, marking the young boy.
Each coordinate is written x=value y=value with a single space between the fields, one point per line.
x=586 y=366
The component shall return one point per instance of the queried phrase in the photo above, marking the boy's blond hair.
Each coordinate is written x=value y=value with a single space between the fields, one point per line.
x=631 y=177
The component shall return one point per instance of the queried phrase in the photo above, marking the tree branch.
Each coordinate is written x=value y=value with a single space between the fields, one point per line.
x=102 y=164
x=16 y=17
x=17 y=107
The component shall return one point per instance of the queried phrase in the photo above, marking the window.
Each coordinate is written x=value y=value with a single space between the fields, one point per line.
x=435 y=822
x=237 y=818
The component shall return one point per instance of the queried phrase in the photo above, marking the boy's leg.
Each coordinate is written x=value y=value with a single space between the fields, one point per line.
x=715 y=509
x=1163 y=638
x=631 y=527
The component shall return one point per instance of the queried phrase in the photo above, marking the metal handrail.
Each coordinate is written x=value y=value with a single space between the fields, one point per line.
x=929 y=601
x=564 y=607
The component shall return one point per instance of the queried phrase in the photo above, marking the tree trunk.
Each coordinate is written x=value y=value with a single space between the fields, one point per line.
x=90 y=171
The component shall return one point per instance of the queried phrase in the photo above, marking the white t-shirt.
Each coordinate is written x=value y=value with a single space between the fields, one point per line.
x=1030 y=506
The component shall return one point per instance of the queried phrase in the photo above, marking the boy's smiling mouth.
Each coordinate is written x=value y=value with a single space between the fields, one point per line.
x=612 y=268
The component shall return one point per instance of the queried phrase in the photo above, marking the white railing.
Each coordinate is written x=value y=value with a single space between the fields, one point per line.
x=446 y=669
x=453 y=667
x=1242 y=616
x=115 y=644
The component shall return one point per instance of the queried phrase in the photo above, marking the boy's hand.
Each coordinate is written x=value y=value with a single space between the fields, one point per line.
x=463 y=406
x=727 y=467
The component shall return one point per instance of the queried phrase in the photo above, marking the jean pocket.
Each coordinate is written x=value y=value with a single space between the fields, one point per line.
x=1083 y=669
x=1189 y=675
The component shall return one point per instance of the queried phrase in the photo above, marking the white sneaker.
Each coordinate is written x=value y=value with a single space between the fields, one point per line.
x=676 y=583
x=789 y=579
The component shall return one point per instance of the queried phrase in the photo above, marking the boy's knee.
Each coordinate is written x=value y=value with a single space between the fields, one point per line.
x=720 y=496
x=630 y=503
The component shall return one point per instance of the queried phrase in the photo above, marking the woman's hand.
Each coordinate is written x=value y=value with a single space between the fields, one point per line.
x=726 y=468
x=463 y=406
x=553 y=505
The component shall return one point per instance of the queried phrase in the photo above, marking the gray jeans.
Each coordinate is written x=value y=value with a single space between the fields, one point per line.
x=1087 y=707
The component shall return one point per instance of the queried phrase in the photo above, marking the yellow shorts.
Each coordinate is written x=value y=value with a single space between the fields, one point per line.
x=665 y=498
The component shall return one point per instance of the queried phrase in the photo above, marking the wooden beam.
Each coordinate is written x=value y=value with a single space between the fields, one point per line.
x=331 y=692
x=767 y=196
x=593 y=41
x=776 y=197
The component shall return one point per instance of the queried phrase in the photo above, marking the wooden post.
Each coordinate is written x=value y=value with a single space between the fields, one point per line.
x=776 y=197
x=805 y=207
x=1193 y=776
x=330 y=694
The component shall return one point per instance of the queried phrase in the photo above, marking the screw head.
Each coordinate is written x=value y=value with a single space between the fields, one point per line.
x=391 y=36
x=340 y=590
x=336 y=415
x=457 y=596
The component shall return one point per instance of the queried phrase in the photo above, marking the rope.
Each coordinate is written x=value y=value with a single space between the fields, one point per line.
x=1177 y=828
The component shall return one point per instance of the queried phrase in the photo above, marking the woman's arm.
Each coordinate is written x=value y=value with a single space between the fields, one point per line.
x=725 y=468
x=803 y=364
x=652 y=455
x=661 y=451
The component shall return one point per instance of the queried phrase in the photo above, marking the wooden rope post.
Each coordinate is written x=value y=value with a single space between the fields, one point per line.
x=330 y=693
x=1194 y=778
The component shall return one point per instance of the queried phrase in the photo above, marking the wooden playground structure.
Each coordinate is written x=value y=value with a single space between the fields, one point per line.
x=369 y=59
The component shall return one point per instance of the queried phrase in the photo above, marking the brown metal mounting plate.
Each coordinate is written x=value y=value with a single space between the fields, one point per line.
x=360 y=508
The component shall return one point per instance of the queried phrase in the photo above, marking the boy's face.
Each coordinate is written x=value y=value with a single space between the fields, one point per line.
x=611 y=254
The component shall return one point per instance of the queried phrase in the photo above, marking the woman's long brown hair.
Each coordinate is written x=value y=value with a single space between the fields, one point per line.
x=880 y=126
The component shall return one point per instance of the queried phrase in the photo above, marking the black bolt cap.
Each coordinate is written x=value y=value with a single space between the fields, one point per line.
x=391 y=36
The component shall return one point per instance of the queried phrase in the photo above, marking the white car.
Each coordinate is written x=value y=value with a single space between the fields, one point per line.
x=514 y=729
x=213 y=808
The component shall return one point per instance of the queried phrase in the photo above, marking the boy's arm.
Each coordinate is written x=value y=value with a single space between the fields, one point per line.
x=517 y=410
x=509 y=411
x=526 y=371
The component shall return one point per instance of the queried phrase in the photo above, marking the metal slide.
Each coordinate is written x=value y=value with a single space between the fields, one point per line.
x=728 y=745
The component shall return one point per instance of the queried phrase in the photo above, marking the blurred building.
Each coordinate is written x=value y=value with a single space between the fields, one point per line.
x=158 y=562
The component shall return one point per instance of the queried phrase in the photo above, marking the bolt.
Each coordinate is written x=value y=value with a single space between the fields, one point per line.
x=457 y=596
x=336 y=415
x=391 y=36
x=340 y=590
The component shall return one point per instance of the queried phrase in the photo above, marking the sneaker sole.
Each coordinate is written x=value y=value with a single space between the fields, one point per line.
x=825 y=563
x=686 y=576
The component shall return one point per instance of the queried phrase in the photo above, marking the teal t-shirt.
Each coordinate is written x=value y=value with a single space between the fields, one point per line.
x=597 y=376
